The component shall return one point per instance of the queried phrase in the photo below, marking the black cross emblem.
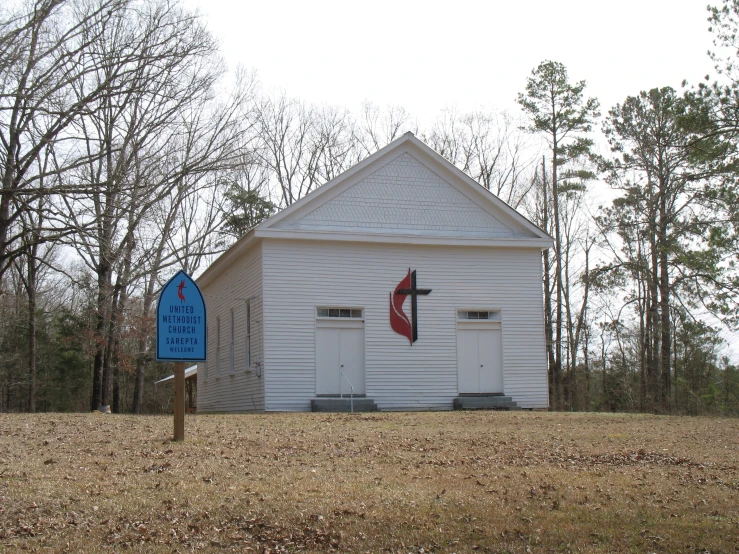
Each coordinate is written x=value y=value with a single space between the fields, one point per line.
x=414 y=292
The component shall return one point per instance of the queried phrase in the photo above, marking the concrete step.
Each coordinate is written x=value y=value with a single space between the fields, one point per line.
x=485 y=403
x=332 y=404
x=480 y=394
x=491 y=398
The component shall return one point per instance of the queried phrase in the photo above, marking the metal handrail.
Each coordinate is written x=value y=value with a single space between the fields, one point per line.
x=351 y=393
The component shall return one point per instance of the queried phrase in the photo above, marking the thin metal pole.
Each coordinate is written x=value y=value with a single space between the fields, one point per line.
x=351 y=391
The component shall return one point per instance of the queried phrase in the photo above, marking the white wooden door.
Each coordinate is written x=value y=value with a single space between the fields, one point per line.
x=467 y=361
x=479 y=360
x=490 y=349
x=339 y=350
x=327 y=360
x=351 y=360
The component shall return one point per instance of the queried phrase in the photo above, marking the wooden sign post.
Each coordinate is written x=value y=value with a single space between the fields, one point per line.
x=179 y=401
x=182 y=335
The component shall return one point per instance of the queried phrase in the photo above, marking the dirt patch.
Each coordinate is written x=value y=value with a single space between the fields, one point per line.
x=396 y=482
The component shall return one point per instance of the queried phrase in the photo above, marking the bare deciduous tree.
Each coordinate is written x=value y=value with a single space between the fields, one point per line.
x=44 y=54
x=158 y=127
x=490 y=148
x=376 y=127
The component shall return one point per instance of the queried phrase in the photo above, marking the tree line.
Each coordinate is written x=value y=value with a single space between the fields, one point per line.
x=129 y=151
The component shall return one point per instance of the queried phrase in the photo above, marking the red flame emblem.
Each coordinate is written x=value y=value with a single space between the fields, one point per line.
x=179 y=291
x=398 y=320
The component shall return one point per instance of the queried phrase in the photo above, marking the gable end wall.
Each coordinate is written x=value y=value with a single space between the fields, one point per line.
x=298 y=276
x=404 y=196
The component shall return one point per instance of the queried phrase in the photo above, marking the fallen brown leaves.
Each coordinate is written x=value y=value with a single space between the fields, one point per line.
x=400 y=482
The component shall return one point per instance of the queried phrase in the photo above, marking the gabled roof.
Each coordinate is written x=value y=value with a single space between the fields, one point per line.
x=414 y=150
x=403 y=193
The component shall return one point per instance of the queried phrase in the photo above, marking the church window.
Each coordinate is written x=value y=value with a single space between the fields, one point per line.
x=353 y=313
x=248 y=334
x=218 y=347
x=231 y=366
x=484 y=315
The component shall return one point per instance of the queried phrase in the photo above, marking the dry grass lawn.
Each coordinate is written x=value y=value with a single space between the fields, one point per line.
x=394 y=482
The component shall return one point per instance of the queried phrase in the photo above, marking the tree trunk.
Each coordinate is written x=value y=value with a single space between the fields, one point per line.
x=142 y=355
x=571 y=351
x=642 y=304
x=603 y=355
x=110 y=341
x=100 y=317
x=675 y=400
x=31 y=290
x=574 y=327
x=138 y=390
x=120 y=298
x=653 y=366
x=548 y=329
x=9 y=184
x=664 y=299
x=558 y=276
x=4 y=225
x=116 y=405
x=579 y=328
x=586 y=362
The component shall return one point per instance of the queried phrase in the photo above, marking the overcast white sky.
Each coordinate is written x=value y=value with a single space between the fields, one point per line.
x=430 y=55
x=427 y=55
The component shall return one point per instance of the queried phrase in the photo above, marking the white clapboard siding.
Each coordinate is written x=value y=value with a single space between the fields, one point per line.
x=404 y=195
x=242 y=390
x=300 y=275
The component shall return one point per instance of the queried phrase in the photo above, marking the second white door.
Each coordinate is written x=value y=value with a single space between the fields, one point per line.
x=339 y=350
x=479 y=360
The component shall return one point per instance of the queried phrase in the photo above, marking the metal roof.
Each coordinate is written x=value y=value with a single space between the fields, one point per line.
x=189 y=372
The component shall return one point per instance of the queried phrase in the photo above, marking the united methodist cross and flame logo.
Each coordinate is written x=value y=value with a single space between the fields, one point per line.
x=179 y=291
x=399 y=321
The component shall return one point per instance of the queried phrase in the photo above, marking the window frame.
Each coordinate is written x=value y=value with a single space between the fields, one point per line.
x=339 y=312
x=492 y=316
x=218 y=346
x=231 y=361
x=247 y=345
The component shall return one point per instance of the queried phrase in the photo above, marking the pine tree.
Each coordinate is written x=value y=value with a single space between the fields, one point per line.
x=558 y=110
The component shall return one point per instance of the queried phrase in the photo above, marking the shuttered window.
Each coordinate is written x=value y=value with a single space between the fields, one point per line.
x=218 y=347
x=248 y=335
x=231 y=361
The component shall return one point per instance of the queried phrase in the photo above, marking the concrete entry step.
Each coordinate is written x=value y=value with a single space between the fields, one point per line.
x=340 y=396
x=333 y=404
x=488 y=402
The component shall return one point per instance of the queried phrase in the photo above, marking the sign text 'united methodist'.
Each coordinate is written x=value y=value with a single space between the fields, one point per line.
x=182 y=328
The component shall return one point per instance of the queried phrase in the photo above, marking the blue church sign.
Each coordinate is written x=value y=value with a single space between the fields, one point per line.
x=182 y=327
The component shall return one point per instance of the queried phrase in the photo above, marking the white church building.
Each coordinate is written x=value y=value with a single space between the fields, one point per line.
x=401 y=282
